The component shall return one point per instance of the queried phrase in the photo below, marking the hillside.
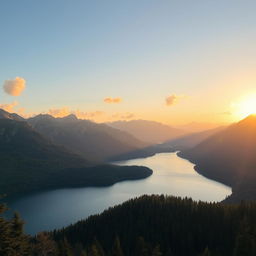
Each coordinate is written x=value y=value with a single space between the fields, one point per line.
x=29 y=162
x=167 y=226
x=191 y=140
x=148 y=131
x=229 y=156
x=98 y=142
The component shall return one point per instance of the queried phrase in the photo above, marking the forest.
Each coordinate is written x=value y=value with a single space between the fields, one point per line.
x=145 y=226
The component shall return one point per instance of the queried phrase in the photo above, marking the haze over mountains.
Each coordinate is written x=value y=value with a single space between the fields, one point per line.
x=148 y=131
x=229 y=156
x=97 y=142
x=196 y=127
x=191 y=140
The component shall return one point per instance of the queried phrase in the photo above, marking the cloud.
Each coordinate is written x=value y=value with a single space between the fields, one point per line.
x=173 y=99
x=13 y=108
x=15 y=86
x=110 y=100
x=123 y=116
x=88 y=115
x=96 y=116
x=9 y=107
x=61 y=112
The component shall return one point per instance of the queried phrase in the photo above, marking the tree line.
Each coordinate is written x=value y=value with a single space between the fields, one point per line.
x=154 y=225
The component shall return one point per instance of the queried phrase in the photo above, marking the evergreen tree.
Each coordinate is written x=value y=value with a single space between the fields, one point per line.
x=44 y=245
x=141 y=247
x=5 y=238
x=117 y=250
x=65 y=249
x=245 y=241
x=13 y=242
x=96 y=249
x=79 y=250
x=20 y=242
x=157 y=251
x=206 y=252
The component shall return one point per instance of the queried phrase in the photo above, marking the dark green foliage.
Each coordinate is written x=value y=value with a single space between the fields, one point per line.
x=206 y=252
x=168 y=226
x=13 y=242
x=245 y=240
x=43 y=245
x=141 y=247
x=117 y=249
x=147 y=226
x=96 y=249
x=157 y=251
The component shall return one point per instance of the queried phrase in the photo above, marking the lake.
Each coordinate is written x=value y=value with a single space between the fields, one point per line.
x=172 y=175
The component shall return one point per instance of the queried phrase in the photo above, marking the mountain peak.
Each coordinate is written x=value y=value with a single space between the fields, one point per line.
x=6 y=115
x=71 y=117
x=42 y=117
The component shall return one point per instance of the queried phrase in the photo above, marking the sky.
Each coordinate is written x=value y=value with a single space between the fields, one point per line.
x=172 y=61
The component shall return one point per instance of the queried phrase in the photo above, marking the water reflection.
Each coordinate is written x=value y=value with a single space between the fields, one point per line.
x=172 y=175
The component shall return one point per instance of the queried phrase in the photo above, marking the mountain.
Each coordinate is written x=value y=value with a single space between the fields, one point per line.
x=191 y=140
x=195 y=127
x=6 y=115
x=164 y=225
x=30 y=162
x=148 y=131
x=229 y=156
x=98 y=142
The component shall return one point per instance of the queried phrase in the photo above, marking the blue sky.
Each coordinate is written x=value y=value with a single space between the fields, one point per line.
x=74 y=54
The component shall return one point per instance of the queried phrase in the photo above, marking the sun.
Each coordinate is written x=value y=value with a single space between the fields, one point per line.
x=246 y=107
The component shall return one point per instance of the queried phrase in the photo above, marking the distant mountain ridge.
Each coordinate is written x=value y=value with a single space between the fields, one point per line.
x=6 y=115
x=88 y=139
x=229 y=156
x=192 y=139
x=149 y=131
x=195 y=127
x=30 y=162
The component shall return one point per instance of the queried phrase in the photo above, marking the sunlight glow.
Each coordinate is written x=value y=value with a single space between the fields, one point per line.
x=246 y=107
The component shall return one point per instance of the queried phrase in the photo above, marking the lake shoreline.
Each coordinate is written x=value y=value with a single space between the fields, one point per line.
x=199 y=170
x=172 y=176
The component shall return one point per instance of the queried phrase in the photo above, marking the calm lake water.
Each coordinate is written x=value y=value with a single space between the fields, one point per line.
x=172 y=176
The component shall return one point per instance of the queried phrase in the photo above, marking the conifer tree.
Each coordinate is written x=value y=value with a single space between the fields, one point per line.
x=245 y=241
x=157 y=251
x=141 y=247
x=117 y=250
x=206 y=252
x=44 y=245
x=96 y=249
x=65 y=249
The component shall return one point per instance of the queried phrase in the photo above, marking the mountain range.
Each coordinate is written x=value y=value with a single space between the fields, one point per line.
x=191 y=140
x=148 y=131
x=35 y=150
x=31 y=162
x=229 y=156
x=97 y=142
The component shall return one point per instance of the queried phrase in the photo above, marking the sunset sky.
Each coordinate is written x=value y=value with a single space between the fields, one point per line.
x=171 y=61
